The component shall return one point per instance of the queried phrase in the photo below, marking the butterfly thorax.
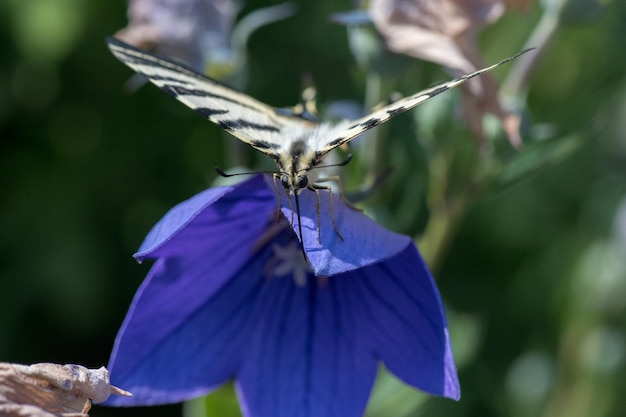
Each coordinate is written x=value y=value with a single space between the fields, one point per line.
x=295 y=165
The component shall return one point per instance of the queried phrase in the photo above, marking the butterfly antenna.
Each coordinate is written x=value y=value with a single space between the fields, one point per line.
x=340 y=164
x=221 y=173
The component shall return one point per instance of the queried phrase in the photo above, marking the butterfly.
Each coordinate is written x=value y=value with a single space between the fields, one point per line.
x=296 y=144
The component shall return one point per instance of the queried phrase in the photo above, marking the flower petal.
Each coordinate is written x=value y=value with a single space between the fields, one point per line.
x=212 y=308
x=180 y=337
x=364 y=241
x=303 y=358
x=401 y=319
x=205 y=217
x=167 y=352
x=315 y=347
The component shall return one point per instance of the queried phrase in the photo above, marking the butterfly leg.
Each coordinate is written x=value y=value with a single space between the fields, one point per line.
x=278 y=194
x=316 y=188
x=288 y=201
x=317 y=209
x=337 y=180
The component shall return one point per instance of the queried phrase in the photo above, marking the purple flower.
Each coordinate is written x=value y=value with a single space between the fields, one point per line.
x=231 y=297
x=199 y=33
x=192 y=31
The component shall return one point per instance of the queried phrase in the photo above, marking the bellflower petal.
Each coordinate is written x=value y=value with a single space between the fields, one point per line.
x=401 y=319
x=217 y=211
x=364 y=241
x=303 y=359
x=178 y=344
x=317 y=346
x=205 y=239
x=226 y=300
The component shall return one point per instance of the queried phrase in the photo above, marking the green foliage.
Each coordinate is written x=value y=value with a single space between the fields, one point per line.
x=527 y=246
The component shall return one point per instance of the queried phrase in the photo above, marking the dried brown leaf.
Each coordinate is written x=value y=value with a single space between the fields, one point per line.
x=51 y=390
x=444 y=31
x=434 y=30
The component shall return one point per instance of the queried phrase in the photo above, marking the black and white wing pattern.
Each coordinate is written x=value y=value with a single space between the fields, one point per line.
x=346 y=133
x=297 y=143
x=257 y=124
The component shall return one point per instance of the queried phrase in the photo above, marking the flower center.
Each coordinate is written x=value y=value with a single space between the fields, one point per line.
x=288 y=260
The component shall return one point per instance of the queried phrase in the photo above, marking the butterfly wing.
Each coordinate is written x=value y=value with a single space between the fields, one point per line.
x=345 y=132
x=249 y=120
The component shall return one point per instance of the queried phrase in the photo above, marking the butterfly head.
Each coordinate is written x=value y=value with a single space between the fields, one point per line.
x=294 y=166
x=293 y=184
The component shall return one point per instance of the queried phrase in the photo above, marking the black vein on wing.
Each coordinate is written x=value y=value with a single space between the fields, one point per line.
x=179 y=90
x=133 y=57
x=238 y=124
x=207 y=112
x=334 y=143
x=396 y=111
x=370 y=123
x=264 y=145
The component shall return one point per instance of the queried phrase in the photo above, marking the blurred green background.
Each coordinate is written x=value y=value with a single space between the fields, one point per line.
x=533 y=271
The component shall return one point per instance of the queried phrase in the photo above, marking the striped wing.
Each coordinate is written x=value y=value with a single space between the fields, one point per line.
x=346 y=132
x=249 y=120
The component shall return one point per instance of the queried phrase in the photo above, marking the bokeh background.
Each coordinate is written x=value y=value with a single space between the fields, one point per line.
x=532 y=268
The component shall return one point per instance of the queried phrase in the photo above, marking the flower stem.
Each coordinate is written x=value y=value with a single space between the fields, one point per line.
x=446 y=213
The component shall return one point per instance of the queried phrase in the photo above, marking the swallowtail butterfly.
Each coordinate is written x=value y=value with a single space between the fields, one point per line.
x=296 y=144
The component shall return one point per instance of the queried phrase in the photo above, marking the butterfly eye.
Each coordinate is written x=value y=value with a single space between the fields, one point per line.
x=285 y=181
x=303 y=181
